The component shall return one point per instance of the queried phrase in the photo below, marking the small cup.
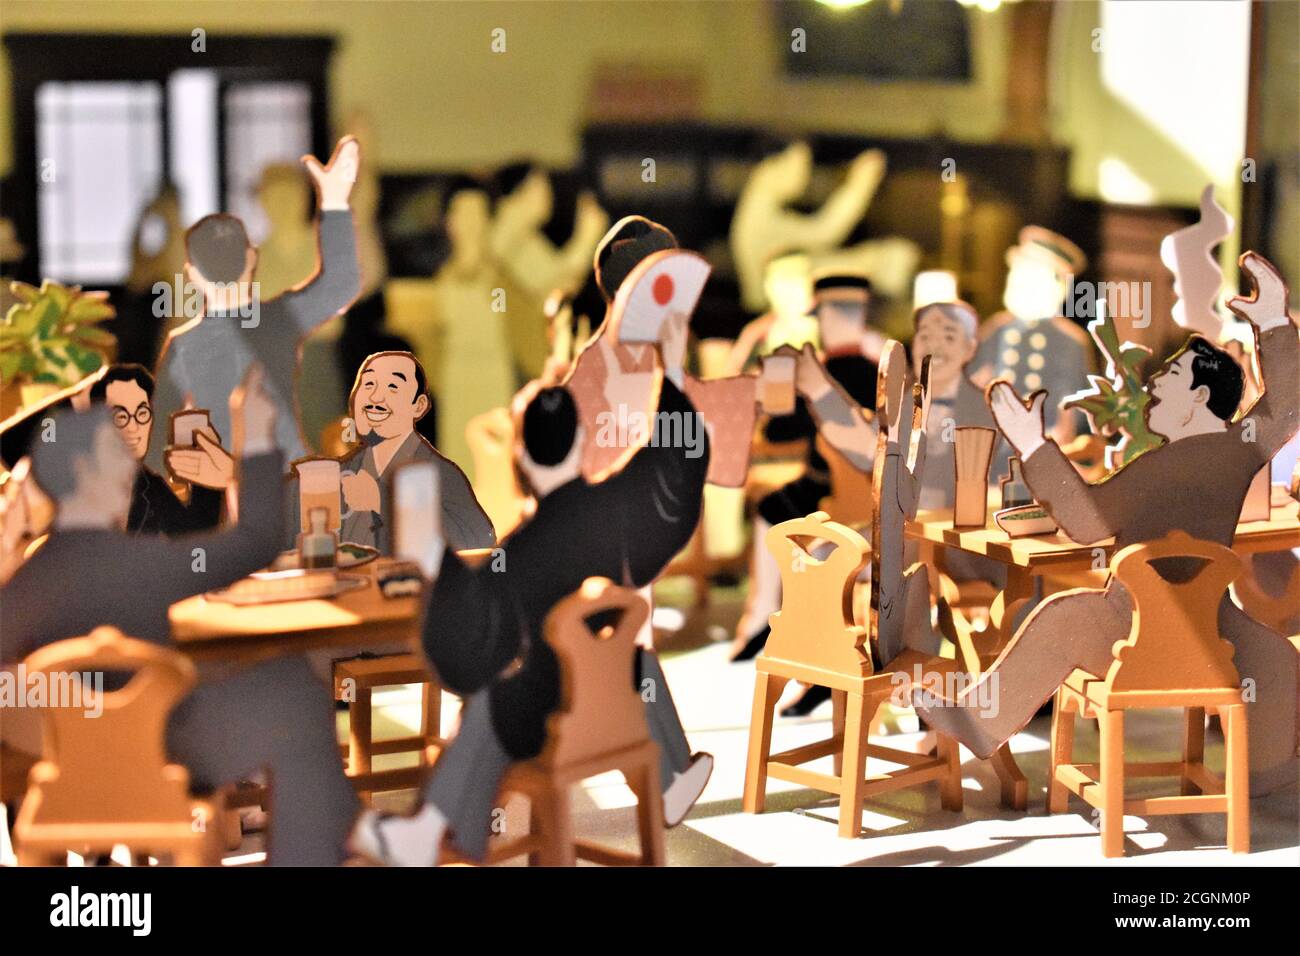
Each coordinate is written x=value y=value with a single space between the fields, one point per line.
x=186 y=423
x=777 y=385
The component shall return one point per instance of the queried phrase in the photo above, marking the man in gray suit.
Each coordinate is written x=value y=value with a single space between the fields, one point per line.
x=389 y=396
x=205 y=358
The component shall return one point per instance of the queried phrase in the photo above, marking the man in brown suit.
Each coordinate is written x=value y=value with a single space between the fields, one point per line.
x=1196 y=483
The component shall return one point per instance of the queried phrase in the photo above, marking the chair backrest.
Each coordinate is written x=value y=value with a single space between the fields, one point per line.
x=895 y=489
x=491 y=439
x=111 y=767
x=600 y=709
x=815 y=626
x=1174 y=641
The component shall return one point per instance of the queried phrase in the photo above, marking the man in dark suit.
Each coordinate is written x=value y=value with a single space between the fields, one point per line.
x=127 y=390
x=483 y=626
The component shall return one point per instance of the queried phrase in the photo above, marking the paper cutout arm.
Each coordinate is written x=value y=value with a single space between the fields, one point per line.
x=337 y=281
x=1275 y=416
x=829 y=226
x=1188 y=254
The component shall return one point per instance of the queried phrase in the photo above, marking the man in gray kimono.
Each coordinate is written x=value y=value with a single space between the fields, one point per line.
x=389 y=396
x=205 y=358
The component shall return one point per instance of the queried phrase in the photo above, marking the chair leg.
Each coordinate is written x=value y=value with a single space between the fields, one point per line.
x=1193 y=746
x=950 y=793
x=838 y=698
x=855 y=766
x=1015 y=788
x=557 y=839
x=430 y=713
x=644 y=782
x=1111 y=723
x=1062 y=752
x=767 y=690
x=359 y=734
x=1236 y=783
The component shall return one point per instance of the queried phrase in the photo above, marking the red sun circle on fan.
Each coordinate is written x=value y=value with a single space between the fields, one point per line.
x=663 y=289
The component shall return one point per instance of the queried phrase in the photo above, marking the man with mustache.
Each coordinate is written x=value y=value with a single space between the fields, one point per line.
x=389 y=396
x=1196 y=483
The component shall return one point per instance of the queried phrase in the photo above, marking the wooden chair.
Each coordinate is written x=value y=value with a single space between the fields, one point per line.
x=355 y=681
x=491 y=438
x=106 y=781
x=815 y=640
x=599 y=727
x=1173 y=657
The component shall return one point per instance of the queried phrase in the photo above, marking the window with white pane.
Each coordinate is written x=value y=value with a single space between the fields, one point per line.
x=99 y=146
x=266 y=124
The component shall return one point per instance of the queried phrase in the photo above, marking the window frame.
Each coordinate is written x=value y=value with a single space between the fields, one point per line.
x=38 y=58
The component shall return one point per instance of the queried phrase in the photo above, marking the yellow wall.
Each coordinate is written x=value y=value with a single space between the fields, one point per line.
x=441 y=99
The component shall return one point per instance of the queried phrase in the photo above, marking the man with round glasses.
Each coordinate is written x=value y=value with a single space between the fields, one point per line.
x=127 y=390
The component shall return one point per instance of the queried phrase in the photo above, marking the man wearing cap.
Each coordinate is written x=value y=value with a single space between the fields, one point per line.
x=849 y=347
x=1031 y=345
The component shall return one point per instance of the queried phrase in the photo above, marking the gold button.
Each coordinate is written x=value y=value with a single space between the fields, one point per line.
x=1035 y=361
x=1010 y=357
x=1011 y=336
x=1038 y=340
x=1032 y=381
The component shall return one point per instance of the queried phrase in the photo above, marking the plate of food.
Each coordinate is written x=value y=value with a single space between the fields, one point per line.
x=349 y=555
x=1025 y=520
x=272 y=587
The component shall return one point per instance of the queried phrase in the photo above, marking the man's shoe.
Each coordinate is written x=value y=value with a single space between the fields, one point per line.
x=754 y=646
x=686 y=789
x=813 y=696
x=396 y=840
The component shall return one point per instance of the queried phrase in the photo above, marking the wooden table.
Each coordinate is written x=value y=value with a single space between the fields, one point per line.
x=1036 y=556
x=216 y=632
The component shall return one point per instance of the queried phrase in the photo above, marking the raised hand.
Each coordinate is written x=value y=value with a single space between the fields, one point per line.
x=208 y=464
x=1022 y=425
x=334 y=180
x=252 y=414
x=1266 y=306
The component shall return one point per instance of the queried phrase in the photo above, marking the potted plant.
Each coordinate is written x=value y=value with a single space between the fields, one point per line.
x=51 y=339
x=1116 y=402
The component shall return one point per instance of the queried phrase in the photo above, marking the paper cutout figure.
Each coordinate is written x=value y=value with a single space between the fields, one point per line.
x=389 y=396
x=1194 y=483
x=206 y=358
x=1189 y=255
x=765 y=226
x=479 y=620
x=127 y=391
x=229 y=726
x=531 y=264
x=1031 y=345
x=848 y=374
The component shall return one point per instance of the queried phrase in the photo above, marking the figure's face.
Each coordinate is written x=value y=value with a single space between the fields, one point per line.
x=1173 y=400
x=387 y=401
x=132 y=414
x=946 y=343
x=1034 y=290
x=108 y=473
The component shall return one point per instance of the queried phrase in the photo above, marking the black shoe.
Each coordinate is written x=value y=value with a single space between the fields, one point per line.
x=754 y=646
x=813 y=696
